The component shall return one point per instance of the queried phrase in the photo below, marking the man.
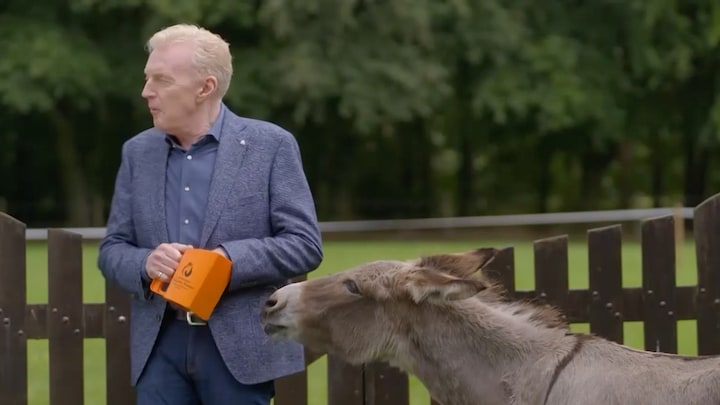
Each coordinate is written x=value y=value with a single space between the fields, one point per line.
x=204 y=177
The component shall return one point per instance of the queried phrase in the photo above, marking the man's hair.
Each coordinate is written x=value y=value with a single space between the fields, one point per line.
x=211 y=53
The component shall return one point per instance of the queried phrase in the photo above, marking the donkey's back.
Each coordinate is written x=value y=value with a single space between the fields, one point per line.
x=604 y=372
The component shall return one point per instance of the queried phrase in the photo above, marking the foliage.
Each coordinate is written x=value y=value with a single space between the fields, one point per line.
x=402 y=108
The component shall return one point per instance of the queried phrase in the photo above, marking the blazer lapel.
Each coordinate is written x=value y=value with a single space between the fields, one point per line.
x=231 y=151
x=157 y=157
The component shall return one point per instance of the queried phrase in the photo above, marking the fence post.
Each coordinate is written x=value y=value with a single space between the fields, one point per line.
x=605 y=277
x=345 y=383
x=502 y=269
x=293 y=389
x=385 y=385
x=551 y=272
x=707 y=247
x=65 y=317
x=117 y=347
x=658 y=270
x=13 y=339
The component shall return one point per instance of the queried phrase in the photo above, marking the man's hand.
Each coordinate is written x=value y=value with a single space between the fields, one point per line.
x=164 y=259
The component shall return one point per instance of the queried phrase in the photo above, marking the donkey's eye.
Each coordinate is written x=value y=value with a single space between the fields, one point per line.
x=351 y=286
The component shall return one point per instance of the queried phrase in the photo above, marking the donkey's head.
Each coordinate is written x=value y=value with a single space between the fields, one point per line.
x=363 y=313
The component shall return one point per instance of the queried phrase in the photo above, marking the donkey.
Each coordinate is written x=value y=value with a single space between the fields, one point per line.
x=440 y=318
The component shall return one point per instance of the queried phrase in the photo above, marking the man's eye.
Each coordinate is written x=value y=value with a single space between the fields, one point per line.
x=351 y=286
x=159 y=80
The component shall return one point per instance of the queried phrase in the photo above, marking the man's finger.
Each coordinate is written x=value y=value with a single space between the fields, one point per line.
x=173 y=254
x=181 y=247
x=164 y=271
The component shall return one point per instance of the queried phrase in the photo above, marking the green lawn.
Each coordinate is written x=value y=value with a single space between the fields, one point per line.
x=340 y=255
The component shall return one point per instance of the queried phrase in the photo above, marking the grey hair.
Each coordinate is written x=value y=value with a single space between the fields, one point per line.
x=211 y=54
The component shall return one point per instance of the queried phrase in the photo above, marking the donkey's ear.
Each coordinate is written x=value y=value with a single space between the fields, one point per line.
x=429 y=285
x=460 y=264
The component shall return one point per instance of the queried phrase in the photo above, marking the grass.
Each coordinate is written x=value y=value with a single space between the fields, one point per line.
x=340 y=255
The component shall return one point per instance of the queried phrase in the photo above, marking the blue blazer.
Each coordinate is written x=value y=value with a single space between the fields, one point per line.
x=260 y=208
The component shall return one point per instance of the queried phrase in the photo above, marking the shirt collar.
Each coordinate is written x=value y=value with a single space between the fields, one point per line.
x=215 y=130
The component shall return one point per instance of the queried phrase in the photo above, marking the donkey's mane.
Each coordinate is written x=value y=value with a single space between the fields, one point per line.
x=467 y=266
x=538 y=314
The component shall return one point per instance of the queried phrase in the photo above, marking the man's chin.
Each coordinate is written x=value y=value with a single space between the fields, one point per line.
x=155 y=116
x=158 y=124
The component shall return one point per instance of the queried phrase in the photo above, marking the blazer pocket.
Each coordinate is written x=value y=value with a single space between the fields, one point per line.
x=244 y=217
x=246 y=200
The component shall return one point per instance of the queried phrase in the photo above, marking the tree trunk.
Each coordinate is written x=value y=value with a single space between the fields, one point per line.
x=74 y=182
x=657 y=170
x=416 y=171
x=97 y=214
x=627 y=176
x=544 y=179
x=695 y=173
x=465 y=176
x=594 y=163
x=465 y=128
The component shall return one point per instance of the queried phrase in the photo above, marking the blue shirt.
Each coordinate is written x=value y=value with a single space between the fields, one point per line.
x=187 y=184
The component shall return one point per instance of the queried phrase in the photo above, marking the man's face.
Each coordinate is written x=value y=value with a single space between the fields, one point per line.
x=172 y=87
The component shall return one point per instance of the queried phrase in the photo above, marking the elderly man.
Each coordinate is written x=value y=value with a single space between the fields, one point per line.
x=204 y=177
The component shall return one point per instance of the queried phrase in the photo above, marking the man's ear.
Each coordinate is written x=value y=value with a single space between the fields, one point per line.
x=208 y=87
x=429 y=285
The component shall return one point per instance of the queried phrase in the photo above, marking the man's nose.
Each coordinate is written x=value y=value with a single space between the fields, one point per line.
x=146 y=91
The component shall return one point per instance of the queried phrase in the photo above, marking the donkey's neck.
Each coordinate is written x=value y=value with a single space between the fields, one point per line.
x=466 y=355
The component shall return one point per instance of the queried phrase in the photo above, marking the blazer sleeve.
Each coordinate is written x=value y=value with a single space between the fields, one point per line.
x=120 y=260
x=295 y=247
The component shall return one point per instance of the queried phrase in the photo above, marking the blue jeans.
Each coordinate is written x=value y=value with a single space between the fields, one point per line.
x=185 y=368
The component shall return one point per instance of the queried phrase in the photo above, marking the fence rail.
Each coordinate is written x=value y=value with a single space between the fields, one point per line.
x=65 y=320
x=553 y=218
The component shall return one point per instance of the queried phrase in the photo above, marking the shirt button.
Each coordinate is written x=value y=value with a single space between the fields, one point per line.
x=187 y=221
x=189 y=157
x=187 y=188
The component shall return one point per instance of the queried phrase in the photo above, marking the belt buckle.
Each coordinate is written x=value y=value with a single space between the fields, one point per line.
x=190 y=321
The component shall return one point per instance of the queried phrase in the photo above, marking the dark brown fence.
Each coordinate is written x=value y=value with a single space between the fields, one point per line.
x=65 y=320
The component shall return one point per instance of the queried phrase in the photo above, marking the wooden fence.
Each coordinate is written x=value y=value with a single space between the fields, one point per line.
x=65 y=320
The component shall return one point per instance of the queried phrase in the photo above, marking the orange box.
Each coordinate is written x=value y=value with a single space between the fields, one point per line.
x=198 y=282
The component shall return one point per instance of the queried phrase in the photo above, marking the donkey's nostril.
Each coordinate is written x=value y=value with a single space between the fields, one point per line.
x=271 y=302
